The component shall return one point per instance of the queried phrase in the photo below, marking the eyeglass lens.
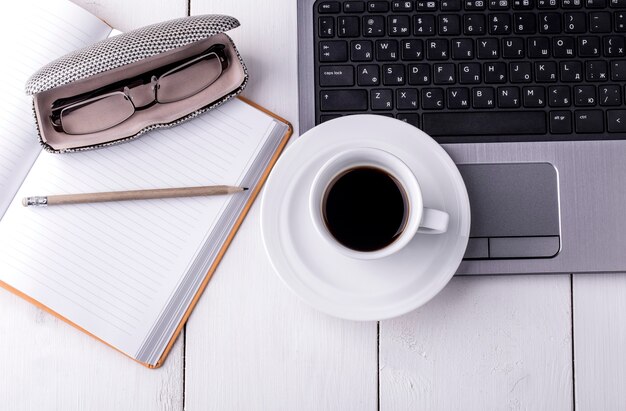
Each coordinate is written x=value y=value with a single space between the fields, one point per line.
x=97 y=114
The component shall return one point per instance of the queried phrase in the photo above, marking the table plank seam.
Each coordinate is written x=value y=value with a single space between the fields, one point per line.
x=571 y=289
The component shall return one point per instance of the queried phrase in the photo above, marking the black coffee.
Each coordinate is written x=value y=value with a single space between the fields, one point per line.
x=365 y=208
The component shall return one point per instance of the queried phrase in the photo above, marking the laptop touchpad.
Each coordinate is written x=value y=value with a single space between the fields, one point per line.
x=515 y=210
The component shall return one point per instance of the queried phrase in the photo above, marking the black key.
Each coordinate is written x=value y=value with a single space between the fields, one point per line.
x=484 y=123
x=533 y=97
x=378 y=6
x=584 y=96
x=525 y=23
x=547 y=4
x=470 y=73
x=361 y=50
x=412 y=50
x=450 y=5
x=411 y=118
x=618 y=70
x=513 y=48
x=620 y=21
x=449 y=25
x=610 y=95
x=426 y=5
x=458 y=98
x=368 y=75
x=559 y=96
x=333 y=76
x=563 y=47
x=618 y=4
x=432 y=98
x=595 y=4
x=399 y=25
x=423 y=25
x=483 y=97
x=560 y=122
x=329 y=7
x=462 y=49
x=589 y=121
x=499 y=23
x=406 y=99
x=326 y=27
x=571 y=71
x=386 y=50
x=616 y=121
x=419 y=74
x=539 y=47
x=508 y=97
x=353 y=7
x=487 y=48
x=444 y=73
x=520 y=72
x=402 y=6
x=589 y=46
x=393 y=74
x=499 y=4
x=474 y=4
x=495 y=72
x=545 y=71
x=342 y=100
x=437 y=49
x=373 y=26
x=575 y=22
x=596 y=70
x=523 y=4
x=550 y=23
x=333 y=51
x=474 y=24
x=348 y=26
x=614 y=46
x=600 y=22
x=381 y=99
x=571 y=4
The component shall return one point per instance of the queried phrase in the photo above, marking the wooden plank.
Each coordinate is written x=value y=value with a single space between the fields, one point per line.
x=600 y=341
x=47 y=364
x=250 y=343
x=482 y=344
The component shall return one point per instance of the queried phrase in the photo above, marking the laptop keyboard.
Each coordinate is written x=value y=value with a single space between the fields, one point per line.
x=476 y=70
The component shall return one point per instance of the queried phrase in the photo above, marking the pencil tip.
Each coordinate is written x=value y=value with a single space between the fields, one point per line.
x=245 y=188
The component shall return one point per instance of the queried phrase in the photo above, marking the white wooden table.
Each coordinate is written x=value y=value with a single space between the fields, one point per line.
x=512 y=342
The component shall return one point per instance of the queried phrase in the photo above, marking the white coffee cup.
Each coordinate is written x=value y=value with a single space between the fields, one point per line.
x=419 y=220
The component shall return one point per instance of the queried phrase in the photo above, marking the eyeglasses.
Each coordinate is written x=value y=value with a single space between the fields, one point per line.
x=109 y=106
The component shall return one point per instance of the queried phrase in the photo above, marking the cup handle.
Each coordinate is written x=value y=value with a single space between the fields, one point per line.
x=433 y=221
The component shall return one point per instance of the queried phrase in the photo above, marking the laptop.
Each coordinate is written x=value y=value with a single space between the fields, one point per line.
x=527 y=97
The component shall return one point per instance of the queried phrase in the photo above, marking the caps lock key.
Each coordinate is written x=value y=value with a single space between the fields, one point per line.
x=333 y=76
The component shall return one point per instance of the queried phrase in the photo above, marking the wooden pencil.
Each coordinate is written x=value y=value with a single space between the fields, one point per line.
x=130 y=195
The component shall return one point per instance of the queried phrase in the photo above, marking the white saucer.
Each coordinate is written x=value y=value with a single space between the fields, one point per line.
x=363 y=289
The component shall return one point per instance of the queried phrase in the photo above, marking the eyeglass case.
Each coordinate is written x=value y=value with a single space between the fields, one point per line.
x=131 y=54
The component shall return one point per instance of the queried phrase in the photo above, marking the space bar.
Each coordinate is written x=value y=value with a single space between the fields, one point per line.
x=484 y=123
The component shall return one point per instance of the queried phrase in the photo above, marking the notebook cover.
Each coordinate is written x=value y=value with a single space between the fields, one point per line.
x=220 y=255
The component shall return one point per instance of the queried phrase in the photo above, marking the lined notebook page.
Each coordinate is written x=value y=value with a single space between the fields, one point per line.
x=112 y=267
x=34 y=34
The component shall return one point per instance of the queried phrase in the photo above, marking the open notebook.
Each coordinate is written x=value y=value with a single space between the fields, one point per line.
x=127 y=273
